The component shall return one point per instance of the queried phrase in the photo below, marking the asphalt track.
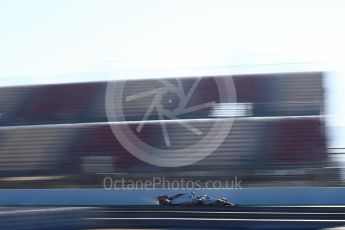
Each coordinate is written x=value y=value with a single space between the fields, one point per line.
x=246 y=217
x=174 y=217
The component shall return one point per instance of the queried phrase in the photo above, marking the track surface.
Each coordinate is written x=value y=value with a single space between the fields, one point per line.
x=249 y=217
x=137 y=217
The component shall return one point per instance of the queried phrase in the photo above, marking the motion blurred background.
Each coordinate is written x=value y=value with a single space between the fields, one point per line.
x=57 y=136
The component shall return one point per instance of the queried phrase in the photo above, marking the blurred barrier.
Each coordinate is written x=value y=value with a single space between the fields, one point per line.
x=42 y=218
x=257 y=196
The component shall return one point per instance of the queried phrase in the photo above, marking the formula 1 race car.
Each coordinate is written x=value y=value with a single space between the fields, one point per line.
x=193 y=200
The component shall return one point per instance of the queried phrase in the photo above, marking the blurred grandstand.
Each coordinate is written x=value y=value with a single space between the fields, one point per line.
x=58 y=136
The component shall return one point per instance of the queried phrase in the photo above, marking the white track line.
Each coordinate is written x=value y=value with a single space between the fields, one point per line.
x=218 y=219
x=225 y=212
x=69 y=125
